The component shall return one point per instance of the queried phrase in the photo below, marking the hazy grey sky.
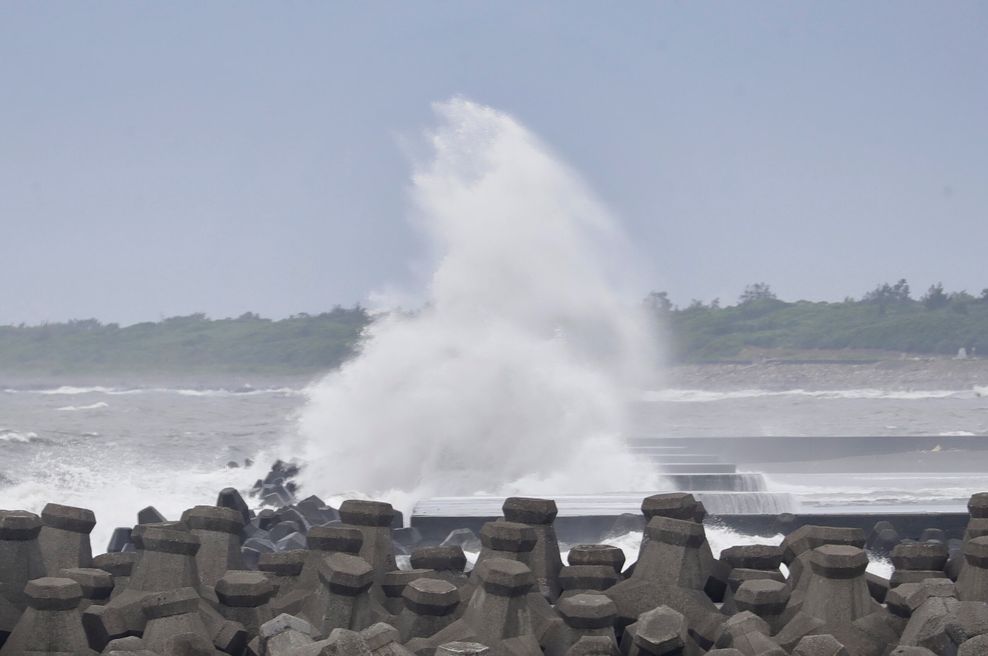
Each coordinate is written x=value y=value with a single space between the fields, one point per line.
x=166 y=158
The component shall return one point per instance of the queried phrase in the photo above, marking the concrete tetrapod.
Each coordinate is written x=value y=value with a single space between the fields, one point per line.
x=64 y=538
x=51 y=624
x=837 y=602
x=584 y=616
x=218 y=530
x=498 y=614
x=343 y=598
x=669 y=573
x=545 y=561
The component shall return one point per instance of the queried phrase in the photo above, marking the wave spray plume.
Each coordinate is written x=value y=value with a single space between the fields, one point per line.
x=514 y=378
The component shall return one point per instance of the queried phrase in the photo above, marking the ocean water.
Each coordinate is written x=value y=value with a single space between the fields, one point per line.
x=117 y=448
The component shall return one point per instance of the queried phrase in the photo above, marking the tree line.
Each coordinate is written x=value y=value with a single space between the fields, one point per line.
x=186 y=344
x=886 y=318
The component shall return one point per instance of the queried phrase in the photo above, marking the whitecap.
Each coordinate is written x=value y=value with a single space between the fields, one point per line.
x=115 y=493
x=673 y=395
x=9 y=435
x=285 y=391
x=92 y=406
x=71 y=390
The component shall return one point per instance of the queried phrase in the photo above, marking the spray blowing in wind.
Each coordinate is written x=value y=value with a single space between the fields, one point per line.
x=514 y=377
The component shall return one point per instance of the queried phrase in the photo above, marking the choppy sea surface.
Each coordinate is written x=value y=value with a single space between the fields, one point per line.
x=117 y=447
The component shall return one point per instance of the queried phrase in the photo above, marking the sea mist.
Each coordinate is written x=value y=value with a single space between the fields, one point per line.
x=514 y=376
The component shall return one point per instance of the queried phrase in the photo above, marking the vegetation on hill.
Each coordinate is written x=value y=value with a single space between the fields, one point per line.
x=887 y=318
x=189 y=344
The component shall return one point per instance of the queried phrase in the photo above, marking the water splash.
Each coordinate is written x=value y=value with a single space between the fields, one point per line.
x=515 y=375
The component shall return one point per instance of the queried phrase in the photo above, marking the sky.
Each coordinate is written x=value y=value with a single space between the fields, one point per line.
x=159 y=159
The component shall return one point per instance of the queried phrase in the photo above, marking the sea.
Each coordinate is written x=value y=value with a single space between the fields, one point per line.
x=118 y=444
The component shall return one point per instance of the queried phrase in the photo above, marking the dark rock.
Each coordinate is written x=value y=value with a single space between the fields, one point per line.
x=119 y=539
x=150 y=515
x=407 y=537
x=464 y=538
x=265 y=519
x=625 y=523
x=292 y=514
x=933 y=535
x=316 y=512
x=291 y=542
x=230 y=498
x=251 y=557
x=281 y=529
x=877 y=587
x=260 y=545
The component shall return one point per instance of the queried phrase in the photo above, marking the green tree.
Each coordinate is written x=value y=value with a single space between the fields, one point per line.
x=658 y=302
x=885 y=295
x=759 y=291
x=696 y=305
x=935 y=298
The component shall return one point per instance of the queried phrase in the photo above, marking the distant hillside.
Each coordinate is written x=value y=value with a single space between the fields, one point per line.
x=190 y=344
x=886 y=319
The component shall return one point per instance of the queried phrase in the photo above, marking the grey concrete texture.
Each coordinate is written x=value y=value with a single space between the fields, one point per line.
x=585 y=617
x=597 y=554
x=191 y=586
x=429 y=607
x=440 y=559
x=545 y=560
x=373 y=519
x=64 y=537
x=577 y=579
x=218 y=530
x=51 y=623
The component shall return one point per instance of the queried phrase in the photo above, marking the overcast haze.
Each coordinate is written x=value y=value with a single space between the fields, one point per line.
x=168 y=158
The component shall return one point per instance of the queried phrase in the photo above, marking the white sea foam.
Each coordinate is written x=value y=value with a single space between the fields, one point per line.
x=864 y=490
x=708 y=396
x=719 y=538
x=285 y=391
x=117 y=493
x=10 y=435
x=69 y=390
x=514 y=376
x=92 y=406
